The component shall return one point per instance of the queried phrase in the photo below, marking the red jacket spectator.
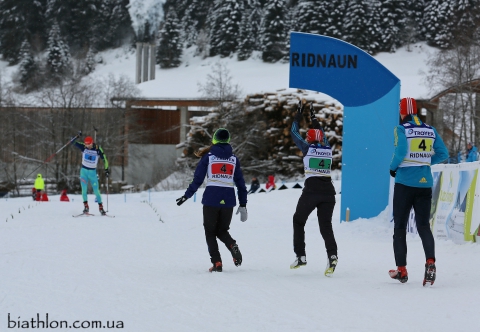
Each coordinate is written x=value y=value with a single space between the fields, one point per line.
x=271 y=182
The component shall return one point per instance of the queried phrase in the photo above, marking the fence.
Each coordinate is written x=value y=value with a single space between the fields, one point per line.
x=455 y=210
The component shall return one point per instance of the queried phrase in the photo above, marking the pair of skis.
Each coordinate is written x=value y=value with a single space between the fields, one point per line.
x=88 y=214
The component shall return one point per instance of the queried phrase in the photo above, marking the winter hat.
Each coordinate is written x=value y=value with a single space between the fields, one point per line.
x=408 y=106
x=314 y=135
x=88 y=140
x=221 y=136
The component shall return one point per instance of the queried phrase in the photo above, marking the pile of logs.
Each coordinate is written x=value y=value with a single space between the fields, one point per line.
x=276 y=111
x=279 y=110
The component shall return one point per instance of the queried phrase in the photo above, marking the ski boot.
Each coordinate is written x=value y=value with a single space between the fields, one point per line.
x=399 y=274
x=430 y=272
x=332 y=264
x=85 y=207
x=236 y=254
x=100 y=208
x=299 y=261
x=217 y=267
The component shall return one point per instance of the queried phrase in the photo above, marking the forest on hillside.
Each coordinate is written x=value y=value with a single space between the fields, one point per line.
x=53 y=40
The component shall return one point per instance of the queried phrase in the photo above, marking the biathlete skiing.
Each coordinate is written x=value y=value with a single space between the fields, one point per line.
x=91 y=153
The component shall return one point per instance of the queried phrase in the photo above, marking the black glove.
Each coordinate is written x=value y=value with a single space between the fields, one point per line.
x=300 y=107
x=181 y=200
x=312 y=112
x=107 y=172
x=393 y=173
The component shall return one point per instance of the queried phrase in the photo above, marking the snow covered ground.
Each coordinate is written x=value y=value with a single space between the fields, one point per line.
x=147 y=268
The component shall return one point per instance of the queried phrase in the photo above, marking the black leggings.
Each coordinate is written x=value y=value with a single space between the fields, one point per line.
x=216 y=221
x=404 y=198
x=306 y=204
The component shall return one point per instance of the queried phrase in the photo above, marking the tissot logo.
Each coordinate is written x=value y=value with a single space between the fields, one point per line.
x=324 y=60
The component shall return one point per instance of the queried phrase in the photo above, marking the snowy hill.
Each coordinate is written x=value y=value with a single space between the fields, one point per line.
x=152 y=276
x=252 y=75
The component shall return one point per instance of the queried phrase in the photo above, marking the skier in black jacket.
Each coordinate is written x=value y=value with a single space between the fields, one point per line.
x=223 y=172
x=318 y=191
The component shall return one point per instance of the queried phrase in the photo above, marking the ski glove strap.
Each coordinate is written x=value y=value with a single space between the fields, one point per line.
x=243 y=213
x=181 y=200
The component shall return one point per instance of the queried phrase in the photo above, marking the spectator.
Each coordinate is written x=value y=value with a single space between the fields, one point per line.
x=271 y=183
x=254 y=186
x=471 y=154
x=39 y=187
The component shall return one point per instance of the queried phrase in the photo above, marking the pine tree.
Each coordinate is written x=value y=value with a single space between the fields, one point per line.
x=374 y=28
x=112 y=24
x=467 y=17
x=28 y=69
x=58 y=55
x=84 y=14
x=194 y=19
x=90 y=62
x=274 y=31
x=246 y=38
x=21 y=20
x=170 y=47
x=335 y=20
x=393 y=14
x=439 y=23
x=249 y=30
x=225 y=27
x=414 y=30
x=356 y=25
x=310 y=15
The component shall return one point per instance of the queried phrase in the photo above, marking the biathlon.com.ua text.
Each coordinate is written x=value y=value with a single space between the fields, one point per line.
x=46 y=322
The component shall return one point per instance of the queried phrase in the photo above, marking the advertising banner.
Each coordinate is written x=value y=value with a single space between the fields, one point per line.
x=455 y=209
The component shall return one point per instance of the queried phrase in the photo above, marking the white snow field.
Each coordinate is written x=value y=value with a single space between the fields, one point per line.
x=147 y=275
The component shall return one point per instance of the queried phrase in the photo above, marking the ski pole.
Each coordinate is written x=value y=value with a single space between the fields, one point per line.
x=53 y=155
x=107 y=192
x=95 y=135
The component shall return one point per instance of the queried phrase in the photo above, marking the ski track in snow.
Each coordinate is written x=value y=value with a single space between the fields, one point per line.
x=153 y=275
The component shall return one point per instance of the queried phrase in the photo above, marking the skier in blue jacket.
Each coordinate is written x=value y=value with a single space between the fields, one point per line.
x=223 y=172
x=318 y=192
x=91 y=153
x=417 y=146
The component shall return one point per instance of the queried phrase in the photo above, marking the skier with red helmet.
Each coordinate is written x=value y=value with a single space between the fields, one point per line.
x=417 y=146
x=91 y=152
x=318 y=191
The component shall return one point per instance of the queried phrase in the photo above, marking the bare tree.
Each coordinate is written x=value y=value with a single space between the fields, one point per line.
x=455 y=69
